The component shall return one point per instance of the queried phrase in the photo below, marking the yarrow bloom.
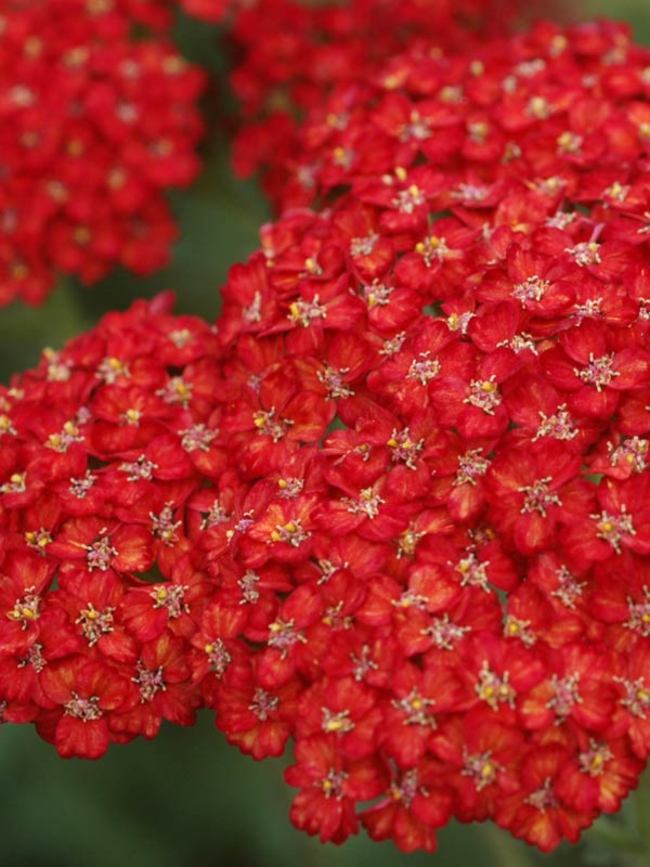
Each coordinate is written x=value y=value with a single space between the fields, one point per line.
x=103 y=446
x=96 y=125
x=310 y=50
x=393 y=508
x=441 y=529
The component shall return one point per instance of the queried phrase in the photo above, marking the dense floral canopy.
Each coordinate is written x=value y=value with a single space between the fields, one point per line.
x=393 y=507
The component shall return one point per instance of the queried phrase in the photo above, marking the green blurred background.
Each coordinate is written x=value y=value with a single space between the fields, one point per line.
x=187 y=799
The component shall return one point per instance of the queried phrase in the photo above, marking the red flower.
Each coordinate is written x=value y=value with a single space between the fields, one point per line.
x=344 y=709
x=256 y=720
x=90 y=695
x=102 y=545
x=618 y=521
x=577 y=688
x=94 y=610
x=96 y=126
x=414 y=805
x=21 y=670
x=161 y=678
x=483 y=756
x=329 y=789
x=536 y=813
x=528 y=494
x=591 y=372
x=634 y=700
x=25 y=578
x=412 y=713
x=149 y=611
x=599 y=777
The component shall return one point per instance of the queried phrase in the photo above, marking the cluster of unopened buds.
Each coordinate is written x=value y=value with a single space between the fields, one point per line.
x=96 y=126
x=395 y=506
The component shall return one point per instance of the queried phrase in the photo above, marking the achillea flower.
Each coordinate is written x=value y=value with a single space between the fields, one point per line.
x=311 y=51
x=96 y=126
x=98 y=468
x=397 y=498
x=473 y=484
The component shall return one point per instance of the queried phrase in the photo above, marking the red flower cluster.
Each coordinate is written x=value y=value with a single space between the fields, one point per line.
x=399 y=500
x=95 y=127
x=310 y=48
x=101 y=447
x=439 y=530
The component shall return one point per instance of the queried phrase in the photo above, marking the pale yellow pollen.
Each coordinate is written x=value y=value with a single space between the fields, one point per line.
x=19 y=271
x=558 y=44
x=334 y=725
x=33 y=46
x=181 y=388
x=539 y=107
x=75 y=147
x=41 y=540
x=76 y=56
x=22 y=613
x=116 y=178
x=163 y=147
x=434 y=242
x=392 y=81
x=280 y=534
x=173 y=65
